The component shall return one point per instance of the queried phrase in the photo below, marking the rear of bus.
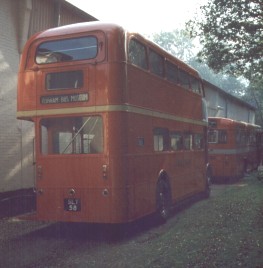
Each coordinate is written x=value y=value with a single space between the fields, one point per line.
x=226 y=149
x=65 y=88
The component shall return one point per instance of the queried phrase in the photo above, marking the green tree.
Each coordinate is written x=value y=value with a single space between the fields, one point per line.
x=231 y=32
x=177 y=42
x=255 y=97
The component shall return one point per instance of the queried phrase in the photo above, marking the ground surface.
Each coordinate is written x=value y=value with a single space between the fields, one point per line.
x=222 y=231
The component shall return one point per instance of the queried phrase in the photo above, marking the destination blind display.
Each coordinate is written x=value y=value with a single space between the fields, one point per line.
x=65 y=98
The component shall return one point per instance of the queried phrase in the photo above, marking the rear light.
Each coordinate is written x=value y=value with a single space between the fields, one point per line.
x=104 y=171
x=39 y=172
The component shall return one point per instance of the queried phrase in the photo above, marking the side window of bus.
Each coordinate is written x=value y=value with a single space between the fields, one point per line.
x=156 y=63
x=184 y=79
x=161 y=139
x=252 y=138
x=212 y=136
x=137 y=54
x=238 y=136
x=171 y=72
x=176 y=141
x=195 y=85
x=243 y=140
x=188 y=141
x=198 y=143
x=222 y=136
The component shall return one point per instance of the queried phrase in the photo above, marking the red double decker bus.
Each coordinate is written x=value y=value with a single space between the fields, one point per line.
x=234 y=148
x=120 y=124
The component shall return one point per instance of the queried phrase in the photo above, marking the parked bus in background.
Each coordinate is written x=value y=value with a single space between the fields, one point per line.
x=120 y=124
x=233 y=148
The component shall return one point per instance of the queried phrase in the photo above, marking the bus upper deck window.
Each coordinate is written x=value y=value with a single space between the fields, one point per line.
x=156 y=63
x=171 y=72
x=81 y=48
x=195 y=85
x=184 y=79
x=137 y=54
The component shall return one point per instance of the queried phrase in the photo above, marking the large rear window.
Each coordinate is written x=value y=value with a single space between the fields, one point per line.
x=72 y=135
x=74 y=49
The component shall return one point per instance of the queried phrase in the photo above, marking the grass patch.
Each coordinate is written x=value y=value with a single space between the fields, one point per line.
x=224 y=231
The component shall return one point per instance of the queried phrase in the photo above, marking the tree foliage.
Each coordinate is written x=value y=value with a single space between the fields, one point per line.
x=179 y=44
x=255 y=97
x=231 y=32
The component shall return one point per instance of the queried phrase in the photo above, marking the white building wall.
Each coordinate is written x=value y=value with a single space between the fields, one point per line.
x=12 y=147
x=18 y=20
x=221 y=104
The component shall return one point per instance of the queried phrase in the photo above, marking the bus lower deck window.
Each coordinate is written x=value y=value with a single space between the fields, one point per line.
x=72 y=135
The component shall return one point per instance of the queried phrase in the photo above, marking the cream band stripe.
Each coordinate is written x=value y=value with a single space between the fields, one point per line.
x=108 y=108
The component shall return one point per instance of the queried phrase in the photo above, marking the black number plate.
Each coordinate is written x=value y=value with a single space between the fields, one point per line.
x=72 y=204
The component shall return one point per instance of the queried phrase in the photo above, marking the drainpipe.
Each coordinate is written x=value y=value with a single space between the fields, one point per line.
x=57 y=11
x=25 y=9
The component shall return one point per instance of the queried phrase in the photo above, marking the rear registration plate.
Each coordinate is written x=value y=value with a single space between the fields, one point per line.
x=72 y=204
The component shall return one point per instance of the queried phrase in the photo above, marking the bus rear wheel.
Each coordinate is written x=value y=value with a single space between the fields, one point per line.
x=163 y=201
x=208 y=183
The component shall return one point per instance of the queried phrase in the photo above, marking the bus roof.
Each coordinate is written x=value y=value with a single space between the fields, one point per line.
x=232 y=121
x=78 y=28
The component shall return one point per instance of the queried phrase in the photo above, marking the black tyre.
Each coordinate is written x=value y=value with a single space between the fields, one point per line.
x=208 y=183
x=163 y=200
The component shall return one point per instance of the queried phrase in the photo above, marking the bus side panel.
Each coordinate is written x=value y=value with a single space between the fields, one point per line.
x=26 y=94
x=143 y=87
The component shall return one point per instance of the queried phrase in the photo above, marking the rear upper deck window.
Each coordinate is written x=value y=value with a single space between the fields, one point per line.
x=81 y=48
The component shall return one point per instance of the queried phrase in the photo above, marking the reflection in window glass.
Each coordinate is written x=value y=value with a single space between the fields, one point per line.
x=161 y=139
x=137 y=54
x=156 y=63
x=171 y=72
x=212 y=136
x=198 y=141
x=195 y=85
x=252 y=138
x=222 y=136
x=82 y=48
x=64 y=80
x=188 y=141
x=177 y=141
x=184 y=79
x=72 y=135
x=158 y=142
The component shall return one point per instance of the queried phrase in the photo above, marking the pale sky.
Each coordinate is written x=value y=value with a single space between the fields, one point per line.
x=143 y=16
